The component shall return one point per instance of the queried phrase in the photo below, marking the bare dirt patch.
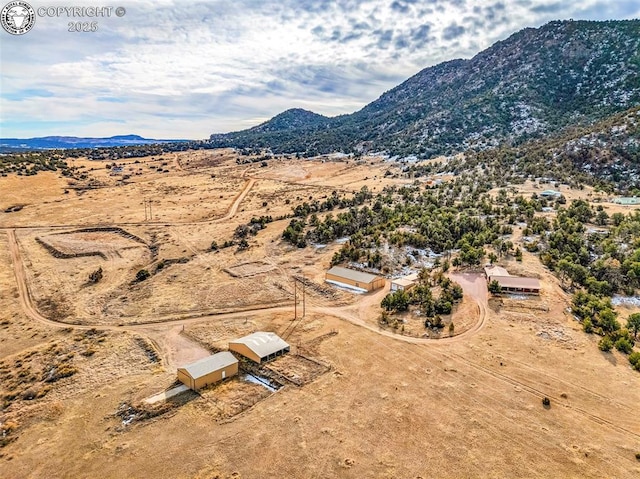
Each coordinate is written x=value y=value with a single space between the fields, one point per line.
x=252 y=268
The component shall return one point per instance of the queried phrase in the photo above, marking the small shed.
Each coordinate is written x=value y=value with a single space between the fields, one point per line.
x=209 y=370
x=355 y=279
x=404 y=283
x=260 y=346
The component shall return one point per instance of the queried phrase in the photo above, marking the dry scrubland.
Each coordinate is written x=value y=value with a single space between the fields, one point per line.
x=357 y=402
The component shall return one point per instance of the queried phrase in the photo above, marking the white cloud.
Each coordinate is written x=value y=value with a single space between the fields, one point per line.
x=187 y=69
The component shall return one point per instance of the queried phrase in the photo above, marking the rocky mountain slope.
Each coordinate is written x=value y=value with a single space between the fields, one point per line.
x=535 y=83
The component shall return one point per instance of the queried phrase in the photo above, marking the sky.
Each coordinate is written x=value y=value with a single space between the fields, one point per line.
x=186 y=69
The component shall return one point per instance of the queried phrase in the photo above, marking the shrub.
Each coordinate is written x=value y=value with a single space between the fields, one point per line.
x=96 y=276
x=396 y=301
x=214 y=246
x=443 y=307
x=242 y=231
x=494 y=287
x=59 y=372
x=605 y=344
x=30 y=394
x=633 y=324
x=587 y=326
x=518 y=254
x=142 y=275
x=624 y=346
x=634 y=359
x=456 y=292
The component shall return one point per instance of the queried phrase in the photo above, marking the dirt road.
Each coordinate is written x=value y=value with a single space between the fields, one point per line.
x=21 y=281
x=176 y=348
x=233 y=209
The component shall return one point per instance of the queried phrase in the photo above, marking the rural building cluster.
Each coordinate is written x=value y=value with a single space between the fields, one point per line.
x=259 y=347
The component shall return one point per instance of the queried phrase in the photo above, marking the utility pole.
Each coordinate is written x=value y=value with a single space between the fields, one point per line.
x=295 y=299
x=148 y=215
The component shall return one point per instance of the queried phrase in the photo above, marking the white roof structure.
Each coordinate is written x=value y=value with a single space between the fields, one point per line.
x=212 y=363
x=263 y=343
x=403 y=282
x=493 y=270
x=550 y=193
x=357 y=276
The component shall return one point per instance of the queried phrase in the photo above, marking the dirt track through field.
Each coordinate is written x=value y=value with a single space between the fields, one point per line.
x=231 y=212
x=236 y=203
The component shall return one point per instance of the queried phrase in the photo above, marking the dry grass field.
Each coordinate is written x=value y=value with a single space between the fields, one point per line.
x=77 y=358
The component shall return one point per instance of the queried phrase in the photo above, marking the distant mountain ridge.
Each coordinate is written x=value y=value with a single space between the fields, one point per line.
x=64 y=142
x=294 y=118
x=536 y=82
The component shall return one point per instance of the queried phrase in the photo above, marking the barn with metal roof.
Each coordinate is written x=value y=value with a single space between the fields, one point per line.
x=354 y=279
x=209 y=370
x=260 y=346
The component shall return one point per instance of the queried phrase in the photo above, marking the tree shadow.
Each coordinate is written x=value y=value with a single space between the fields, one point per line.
x=610 y=357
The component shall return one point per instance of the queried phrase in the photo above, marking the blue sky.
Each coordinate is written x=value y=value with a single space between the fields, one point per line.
x=186 y=69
